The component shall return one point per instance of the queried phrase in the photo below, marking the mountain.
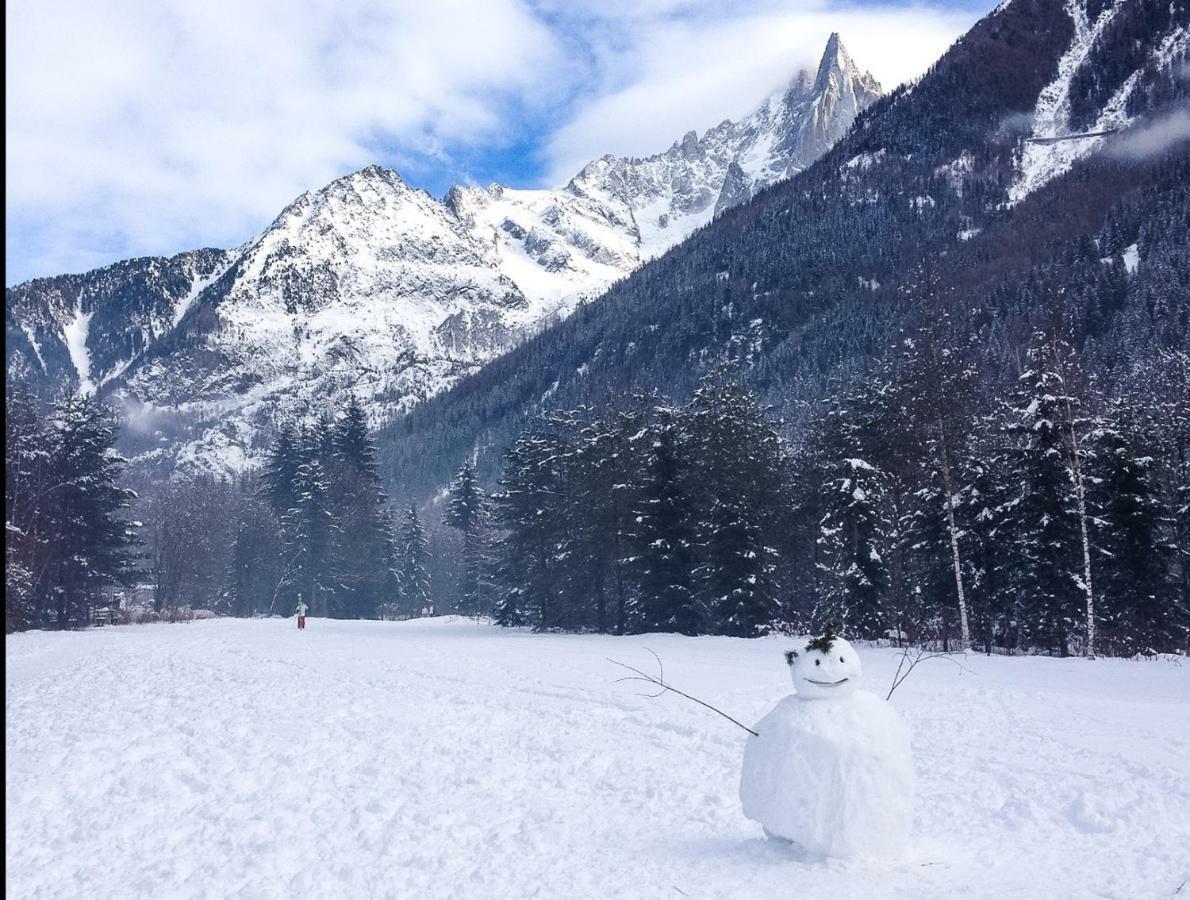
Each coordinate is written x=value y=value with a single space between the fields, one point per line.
x=672 y=193
x=949 y=195
x=373 y=288
x=84 y=330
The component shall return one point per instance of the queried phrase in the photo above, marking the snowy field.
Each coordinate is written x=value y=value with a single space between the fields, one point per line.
x=440 y=758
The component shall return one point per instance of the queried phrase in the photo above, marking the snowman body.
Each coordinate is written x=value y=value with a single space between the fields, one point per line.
x=830 y=767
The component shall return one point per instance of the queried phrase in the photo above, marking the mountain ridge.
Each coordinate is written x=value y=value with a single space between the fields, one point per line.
x=370 y=286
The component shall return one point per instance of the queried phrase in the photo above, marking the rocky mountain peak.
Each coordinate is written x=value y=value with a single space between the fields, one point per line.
x=837 y=71
x=672 y=193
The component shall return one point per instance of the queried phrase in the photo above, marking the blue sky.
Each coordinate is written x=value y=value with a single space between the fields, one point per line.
x=136 y=128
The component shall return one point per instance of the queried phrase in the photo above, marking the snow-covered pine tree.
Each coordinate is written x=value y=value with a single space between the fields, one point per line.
x=736 y=456
x=533 y=509
x=1047 y=572
x=26 y=494
x=364 y=548
x=611 y=463
x=1136 y=595
x=280 y=469
x=414 y=572
x=91 y=544
x=935 y=392
x=799 y=561
x=311 y=532
x=1163 y=393
x=987 y=506
x=663 y=556
x=466 y=512
x=855 y=531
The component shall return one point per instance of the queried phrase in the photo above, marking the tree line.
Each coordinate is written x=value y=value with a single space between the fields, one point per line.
x=918 y=507
x=313 y=521
x=920 y=503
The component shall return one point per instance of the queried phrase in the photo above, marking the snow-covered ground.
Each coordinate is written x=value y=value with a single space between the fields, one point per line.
x=441 y=758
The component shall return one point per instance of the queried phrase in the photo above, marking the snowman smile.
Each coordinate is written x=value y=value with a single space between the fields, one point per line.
x=827 y=683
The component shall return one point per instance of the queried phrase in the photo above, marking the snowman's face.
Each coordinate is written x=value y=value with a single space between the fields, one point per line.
x=820 y=675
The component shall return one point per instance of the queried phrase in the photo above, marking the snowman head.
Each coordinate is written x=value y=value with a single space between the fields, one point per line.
x=826 y=668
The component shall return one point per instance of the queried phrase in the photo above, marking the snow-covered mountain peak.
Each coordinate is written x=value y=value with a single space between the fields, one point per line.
x=672 y=193
x=837 y=71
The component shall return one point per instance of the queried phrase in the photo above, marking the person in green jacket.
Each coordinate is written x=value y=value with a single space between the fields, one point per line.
x=301 y=613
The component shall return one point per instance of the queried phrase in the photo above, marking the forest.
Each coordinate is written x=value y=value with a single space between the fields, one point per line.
x=919 y=507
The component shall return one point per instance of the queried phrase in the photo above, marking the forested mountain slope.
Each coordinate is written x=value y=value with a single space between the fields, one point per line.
x=937 y=199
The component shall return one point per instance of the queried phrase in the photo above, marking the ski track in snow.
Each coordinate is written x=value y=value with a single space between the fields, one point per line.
x=441 y=758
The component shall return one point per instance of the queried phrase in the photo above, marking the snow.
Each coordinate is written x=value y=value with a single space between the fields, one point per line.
x=441 y=758
x=74 y=333
x=200 y=284
x=1131 y=258
x=864 y=161
x=31 y=336
x=1041 y=163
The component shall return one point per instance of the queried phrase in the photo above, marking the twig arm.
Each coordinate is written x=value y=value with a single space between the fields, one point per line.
x=659 y=682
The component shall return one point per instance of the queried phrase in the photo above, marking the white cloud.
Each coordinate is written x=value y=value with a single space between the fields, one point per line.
x=1153 y=137
x=141 y=126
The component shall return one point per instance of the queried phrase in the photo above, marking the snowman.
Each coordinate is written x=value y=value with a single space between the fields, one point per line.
x=829 y=768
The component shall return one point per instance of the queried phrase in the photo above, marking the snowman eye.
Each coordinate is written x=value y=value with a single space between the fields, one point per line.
x=817 y=662
x=841 y=659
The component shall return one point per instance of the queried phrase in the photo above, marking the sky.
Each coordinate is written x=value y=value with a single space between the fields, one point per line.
x=148 y=127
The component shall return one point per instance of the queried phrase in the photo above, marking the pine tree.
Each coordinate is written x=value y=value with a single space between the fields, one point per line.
x=664 y=558
x=92 y=546
x=855 y=531
x=737 y=459
x=281 y=467
x=1136 y=601
x=532 y=509
x=414 y=577
x=364 y=553
x=936 y=394
x=606 y=488
x=311 y=532
x=987 y=507
x=26 y=496
x=1047 y=571
x=465 y=511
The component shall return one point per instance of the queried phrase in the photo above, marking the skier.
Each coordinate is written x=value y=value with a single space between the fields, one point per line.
x=301 y=613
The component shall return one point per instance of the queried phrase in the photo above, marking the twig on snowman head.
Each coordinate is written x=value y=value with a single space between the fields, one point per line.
x=659 y=681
